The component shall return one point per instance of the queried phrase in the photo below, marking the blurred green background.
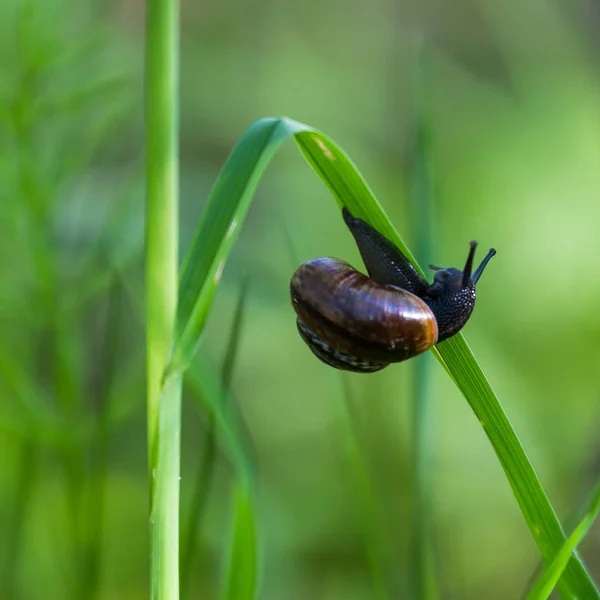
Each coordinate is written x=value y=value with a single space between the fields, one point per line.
x=514 y=96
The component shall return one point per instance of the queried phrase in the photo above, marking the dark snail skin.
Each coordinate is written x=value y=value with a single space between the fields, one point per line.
x=384 y=261
x=359 y=323
x=365 y=322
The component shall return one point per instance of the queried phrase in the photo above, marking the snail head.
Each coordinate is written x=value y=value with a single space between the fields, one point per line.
x=455 y=279
x=451 y=296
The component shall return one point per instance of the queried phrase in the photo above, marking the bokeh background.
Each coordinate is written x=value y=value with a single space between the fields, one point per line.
x=513 y=93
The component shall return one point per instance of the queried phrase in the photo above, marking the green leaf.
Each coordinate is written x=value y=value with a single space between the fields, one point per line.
x=367 y=500
x=206 y=380
x=546 y=583
x=163 y=396
x=204 y=476
x=218 y=229
x=241 y=574
x=228 y=204
x=423 y=579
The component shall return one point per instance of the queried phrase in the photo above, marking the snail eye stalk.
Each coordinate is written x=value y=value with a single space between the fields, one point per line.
x=469 y=264
x=481 y=267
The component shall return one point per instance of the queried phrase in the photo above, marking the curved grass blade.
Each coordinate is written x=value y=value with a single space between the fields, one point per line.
x=225 y=211
x=218 y=229
x=546 y=583
x=227 y=207
x=458 y=360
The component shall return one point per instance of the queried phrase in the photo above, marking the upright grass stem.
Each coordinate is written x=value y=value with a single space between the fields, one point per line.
x=367 y=500
x=90 y=580
x=204 y=477
x=422 y=196
x=164 y=397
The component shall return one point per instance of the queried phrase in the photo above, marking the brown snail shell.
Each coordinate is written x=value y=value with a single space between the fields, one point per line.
x=352 y=322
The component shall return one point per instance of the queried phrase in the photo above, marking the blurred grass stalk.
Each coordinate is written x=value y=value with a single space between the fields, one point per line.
x=90 y=581
x=545 y=585
x=368 y=503
x=163 y=396
x=422 y=578
x=205 y=474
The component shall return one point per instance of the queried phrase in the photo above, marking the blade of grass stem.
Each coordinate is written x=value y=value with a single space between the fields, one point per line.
x=581 y=501
x=539 y=515
x=367 y=499
x=236 y=334
x=204 y=476
x=422 y=198
x=163 y=395
x=207 y=386
x=206 y=381
x=164 y=527
x=241 y=574
x=91 y=573
x=547 y=582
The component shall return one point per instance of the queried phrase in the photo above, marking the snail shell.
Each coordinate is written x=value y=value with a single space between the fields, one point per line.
x=352 y=322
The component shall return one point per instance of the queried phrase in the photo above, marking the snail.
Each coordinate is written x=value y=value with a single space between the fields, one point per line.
x=362 y=324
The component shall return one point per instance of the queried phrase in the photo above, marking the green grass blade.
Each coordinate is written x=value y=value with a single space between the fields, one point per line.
x=546 y=583
x=204 y=477
x=236 y=334
x=163 y=396
x=423 y=579
x=162 y=190
x=218 y=229
x=458 y=360
x=95 y=510
x=241 y=573
x=222 y=219
x=164 y=508
x=214 y=396
x=367 y=499
x=227 y=206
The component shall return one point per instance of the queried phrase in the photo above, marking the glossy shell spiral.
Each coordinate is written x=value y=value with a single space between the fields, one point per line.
x=352 y=322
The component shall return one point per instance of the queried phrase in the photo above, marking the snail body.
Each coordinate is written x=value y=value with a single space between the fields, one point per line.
x=363 y=323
